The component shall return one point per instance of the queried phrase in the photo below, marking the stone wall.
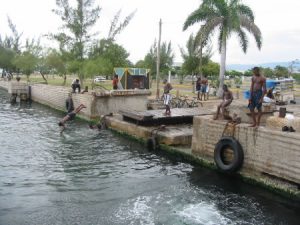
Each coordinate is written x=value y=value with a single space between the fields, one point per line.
x=55 y=97
x=97 y=104
x=266 y=151
x=4 y=84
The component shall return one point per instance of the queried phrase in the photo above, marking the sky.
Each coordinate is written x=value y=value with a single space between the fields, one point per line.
x=278 y=21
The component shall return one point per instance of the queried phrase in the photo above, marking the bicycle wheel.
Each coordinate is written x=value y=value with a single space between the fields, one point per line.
x=185 y=104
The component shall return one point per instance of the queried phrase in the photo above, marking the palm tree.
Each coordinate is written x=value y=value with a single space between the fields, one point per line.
x=193 y=56
x=229 y=16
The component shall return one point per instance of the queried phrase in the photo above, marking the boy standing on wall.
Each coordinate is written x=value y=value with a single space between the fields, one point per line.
x=167 y=96
x=257 y=93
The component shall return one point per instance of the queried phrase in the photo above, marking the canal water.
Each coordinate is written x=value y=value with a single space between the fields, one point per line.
x=90 y=177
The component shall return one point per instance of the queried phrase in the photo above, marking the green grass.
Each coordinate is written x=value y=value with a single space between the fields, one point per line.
x=186 y=88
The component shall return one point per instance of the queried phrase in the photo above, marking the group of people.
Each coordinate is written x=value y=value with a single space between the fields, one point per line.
x=71 y=111
x=257 y=89
x=202 y=88
x=257 y=93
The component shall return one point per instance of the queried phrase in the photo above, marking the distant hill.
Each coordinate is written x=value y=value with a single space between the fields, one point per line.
x=272 y=65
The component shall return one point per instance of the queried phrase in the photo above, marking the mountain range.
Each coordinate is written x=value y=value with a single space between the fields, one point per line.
x=272 y=65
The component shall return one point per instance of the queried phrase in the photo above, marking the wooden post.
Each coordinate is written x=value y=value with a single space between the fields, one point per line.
x=158 y=62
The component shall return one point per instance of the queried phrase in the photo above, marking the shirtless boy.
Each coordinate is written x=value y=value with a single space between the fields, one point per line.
x=70 y=116
x=204 y=83
x=257 y=93
x=227 y=99
x=167 y=96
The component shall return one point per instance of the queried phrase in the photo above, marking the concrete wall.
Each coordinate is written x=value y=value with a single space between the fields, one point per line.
x=97 y=103
x=4 y=84
x=266 y=151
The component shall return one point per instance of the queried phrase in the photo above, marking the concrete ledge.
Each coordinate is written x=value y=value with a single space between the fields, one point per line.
x=266 y=152
x=172 y=135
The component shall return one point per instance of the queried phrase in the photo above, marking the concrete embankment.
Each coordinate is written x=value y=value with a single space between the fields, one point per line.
x=97 y=102
x=272 y=157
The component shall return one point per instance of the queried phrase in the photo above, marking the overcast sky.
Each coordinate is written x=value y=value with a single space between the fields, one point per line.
x=279 y=21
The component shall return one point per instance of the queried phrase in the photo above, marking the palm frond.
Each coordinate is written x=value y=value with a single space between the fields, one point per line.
x=245 y=11
x=203 y=13
x=243 y=39
x=113 y=24
x=253 y=29
x=206 y=29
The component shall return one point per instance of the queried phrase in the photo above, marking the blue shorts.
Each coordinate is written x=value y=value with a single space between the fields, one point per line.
x=203 y=88
x=255 y=100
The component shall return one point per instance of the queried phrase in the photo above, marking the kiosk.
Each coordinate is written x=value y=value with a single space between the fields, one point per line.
x=133 y=78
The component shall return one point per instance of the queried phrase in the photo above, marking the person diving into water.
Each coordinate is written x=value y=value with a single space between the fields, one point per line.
x=70 y=116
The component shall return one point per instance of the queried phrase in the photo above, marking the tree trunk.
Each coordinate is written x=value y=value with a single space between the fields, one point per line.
x=222 y=68
x=65 y=79
x=200 y=63
x=193 y=83
x=44 y=78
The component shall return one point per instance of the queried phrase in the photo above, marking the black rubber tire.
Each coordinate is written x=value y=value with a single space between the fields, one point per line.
x=238 y=153
x=151 y=143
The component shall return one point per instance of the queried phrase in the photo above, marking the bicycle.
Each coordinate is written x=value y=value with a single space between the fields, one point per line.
x=175 y=102
x=185 y=102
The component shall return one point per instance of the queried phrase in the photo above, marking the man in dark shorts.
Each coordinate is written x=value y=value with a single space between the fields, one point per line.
x=70 y=116
x=257 y=93
x=75 y=85
x=204 y=83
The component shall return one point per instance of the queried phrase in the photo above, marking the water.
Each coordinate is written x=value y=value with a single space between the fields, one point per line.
x=90 y=177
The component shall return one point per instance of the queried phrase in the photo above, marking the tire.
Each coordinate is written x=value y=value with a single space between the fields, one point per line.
x=152 y=143
x=238 y=155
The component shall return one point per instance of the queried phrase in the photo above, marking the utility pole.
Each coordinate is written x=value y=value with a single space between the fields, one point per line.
x=158 y=61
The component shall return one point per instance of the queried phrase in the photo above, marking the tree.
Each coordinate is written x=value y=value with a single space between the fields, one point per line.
x=166 y=58
x=248 y=73
x=193 y=55
x=229 y=17
x=281 y=71
x=6 y=58
x=267 y=72
x=190 y=57
x=116 y=28
x=233 y=73
x=115 y=53
x=98 y=66
x=56 y=62
x=10 y=47
x=76 y=36
x=211 y=69
x=27 y=60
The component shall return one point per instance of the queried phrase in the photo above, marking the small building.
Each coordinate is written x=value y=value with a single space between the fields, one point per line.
x=133 y=78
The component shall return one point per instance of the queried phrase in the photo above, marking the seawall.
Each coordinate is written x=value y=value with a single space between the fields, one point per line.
x=98 y=103
x=270 y=156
